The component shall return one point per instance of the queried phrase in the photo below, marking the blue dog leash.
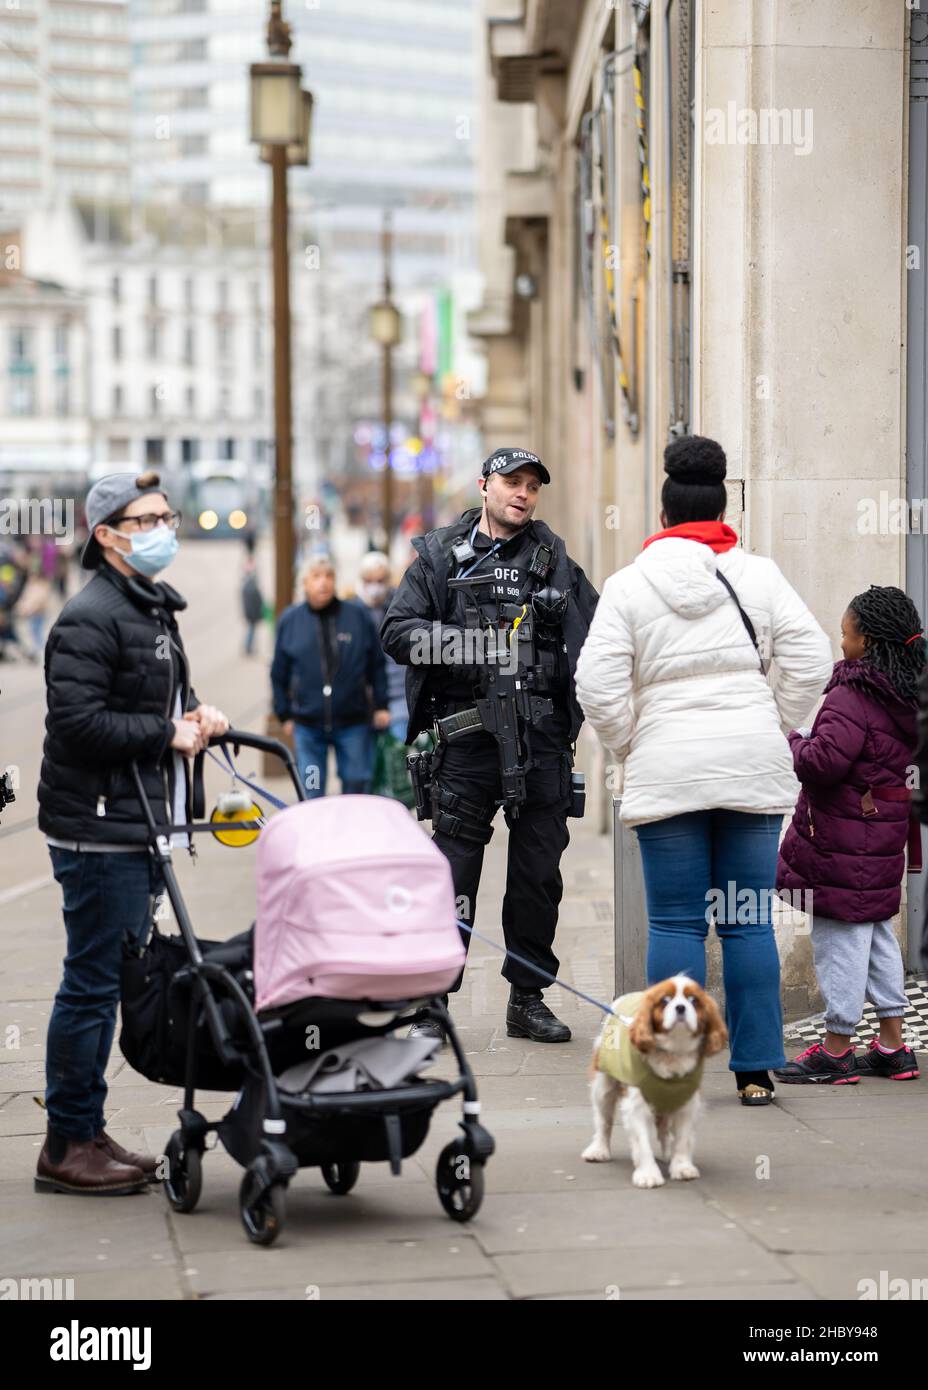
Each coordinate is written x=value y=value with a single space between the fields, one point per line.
x=551 y=979
x=253 y=786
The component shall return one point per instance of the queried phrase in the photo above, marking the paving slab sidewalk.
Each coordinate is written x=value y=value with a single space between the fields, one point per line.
x=799 y=1201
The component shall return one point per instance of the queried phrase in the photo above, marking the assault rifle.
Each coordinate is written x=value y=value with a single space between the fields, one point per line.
x=509 y=703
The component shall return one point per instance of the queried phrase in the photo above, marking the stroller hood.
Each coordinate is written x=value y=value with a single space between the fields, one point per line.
x=354 y=902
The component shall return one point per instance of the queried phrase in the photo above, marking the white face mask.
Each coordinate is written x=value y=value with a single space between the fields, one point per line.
x=151 y=551
x=373 y=591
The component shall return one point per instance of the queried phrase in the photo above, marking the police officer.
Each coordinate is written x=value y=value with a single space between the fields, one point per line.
x=424 y=629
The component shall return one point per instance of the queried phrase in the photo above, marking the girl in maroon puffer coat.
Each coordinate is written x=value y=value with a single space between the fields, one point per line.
x=846 y=844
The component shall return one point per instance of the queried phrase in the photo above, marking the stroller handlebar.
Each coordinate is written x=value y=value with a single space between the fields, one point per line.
x=241 y=738
x=235 y=739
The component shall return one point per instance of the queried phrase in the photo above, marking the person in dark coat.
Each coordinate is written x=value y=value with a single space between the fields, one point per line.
x=423 y=630
x=329 y=682
x=252 y=603
x=846 y=844
x=118 y=690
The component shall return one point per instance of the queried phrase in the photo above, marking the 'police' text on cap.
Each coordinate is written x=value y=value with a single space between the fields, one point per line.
x=508 y=460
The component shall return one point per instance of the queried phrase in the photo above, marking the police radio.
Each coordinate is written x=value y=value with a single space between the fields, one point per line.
x=541 y=561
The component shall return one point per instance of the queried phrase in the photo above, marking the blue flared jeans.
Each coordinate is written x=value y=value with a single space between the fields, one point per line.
x=719 y=865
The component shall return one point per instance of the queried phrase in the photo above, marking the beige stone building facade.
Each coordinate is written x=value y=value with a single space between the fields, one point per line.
x=708 y=216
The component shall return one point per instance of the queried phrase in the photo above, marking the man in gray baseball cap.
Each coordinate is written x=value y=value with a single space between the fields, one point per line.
x=118 y=692
x=106 y=500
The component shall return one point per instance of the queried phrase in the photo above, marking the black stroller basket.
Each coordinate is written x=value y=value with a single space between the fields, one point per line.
x=189 y=1019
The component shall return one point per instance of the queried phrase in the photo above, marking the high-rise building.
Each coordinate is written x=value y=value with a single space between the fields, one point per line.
x=138 y=111
x=393 y=122
x=64 y=101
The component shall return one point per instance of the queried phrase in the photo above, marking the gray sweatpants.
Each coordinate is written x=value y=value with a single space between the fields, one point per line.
x=856 y=961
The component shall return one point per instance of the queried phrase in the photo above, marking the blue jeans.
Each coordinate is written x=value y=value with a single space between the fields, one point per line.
x=108 y=902
x=354 y=756
x=700 y=862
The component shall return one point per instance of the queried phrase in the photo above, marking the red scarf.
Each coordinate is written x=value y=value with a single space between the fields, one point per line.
x=717 y=535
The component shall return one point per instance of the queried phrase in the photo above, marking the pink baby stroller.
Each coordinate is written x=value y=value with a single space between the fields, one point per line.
x=356 y=932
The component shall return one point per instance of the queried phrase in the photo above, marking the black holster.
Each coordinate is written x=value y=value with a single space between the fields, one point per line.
x=419 y=766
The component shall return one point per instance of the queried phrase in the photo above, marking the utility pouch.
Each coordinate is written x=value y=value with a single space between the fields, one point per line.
x=577 y=795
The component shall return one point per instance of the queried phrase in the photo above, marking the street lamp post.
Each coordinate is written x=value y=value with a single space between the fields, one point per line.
x=280 y=117
x=386 y=329
x=422 y=384
x=283 y=473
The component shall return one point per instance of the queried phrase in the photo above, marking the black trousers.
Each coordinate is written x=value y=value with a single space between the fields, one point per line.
x=537 y=839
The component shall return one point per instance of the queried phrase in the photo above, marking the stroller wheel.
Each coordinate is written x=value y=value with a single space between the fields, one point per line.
x=263 y=1209
x=184 y=1180
x=340 y=1177
x=459 y=1179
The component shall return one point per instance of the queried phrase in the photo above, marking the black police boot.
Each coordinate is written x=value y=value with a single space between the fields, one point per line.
x=528 y=1016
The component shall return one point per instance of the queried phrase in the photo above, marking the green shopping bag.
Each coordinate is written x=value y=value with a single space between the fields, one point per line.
x=391 y=776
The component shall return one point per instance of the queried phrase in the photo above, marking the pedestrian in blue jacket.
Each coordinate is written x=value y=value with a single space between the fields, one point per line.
x=329 y=682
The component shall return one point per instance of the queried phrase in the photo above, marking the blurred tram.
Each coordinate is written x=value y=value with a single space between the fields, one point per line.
x=222 y=499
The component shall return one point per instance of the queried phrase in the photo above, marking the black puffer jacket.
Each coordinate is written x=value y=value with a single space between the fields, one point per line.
x=114 y=662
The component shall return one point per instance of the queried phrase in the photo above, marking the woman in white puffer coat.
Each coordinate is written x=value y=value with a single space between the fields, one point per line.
x=674 y=685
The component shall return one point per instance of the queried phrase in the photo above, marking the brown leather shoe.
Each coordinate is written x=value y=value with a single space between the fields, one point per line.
x=148 y=1163
x=88 y=1170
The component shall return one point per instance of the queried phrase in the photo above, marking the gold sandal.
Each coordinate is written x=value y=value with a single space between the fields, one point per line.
x=752 y=1094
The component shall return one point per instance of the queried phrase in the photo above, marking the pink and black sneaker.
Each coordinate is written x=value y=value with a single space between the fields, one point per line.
x=815 y=1066
x=901 y=1065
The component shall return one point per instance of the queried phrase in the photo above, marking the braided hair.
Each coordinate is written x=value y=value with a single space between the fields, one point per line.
x=888 y=619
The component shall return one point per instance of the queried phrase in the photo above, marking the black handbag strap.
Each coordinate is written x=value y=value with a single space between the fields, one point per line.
x=746 y=620
x=197 y=788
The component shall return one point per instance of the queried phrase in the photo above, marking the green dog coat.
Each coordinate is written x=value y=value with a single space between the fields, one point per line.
x=619 y=1059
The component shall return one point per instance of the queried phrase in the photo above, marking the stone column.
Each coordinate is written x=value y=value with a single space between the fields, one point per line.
x=799 y=305
x=798 y=321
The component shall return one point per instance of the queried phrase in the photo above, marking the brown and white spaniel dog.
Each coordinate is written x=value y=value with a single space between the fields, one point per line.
x=649 y=1056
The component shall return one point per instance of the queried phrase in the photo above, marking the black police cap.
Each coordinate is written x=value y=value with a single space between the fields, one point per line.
x=508 y=460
